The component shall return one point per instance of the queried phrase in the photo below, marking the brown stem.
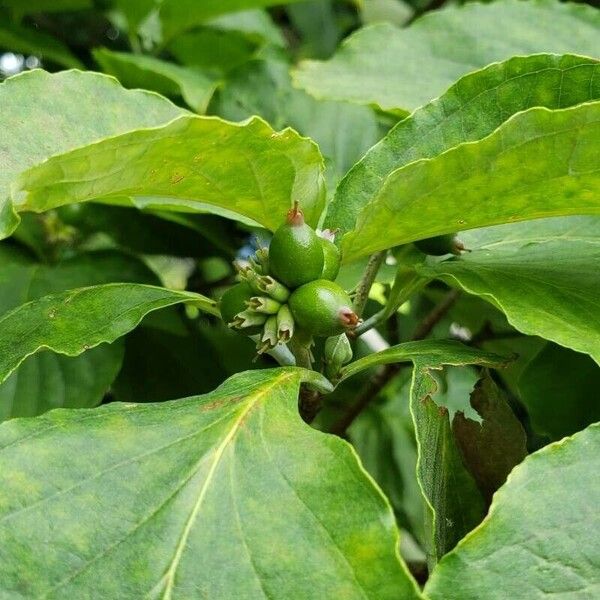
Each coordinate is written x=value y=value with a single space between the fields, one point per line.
x=386 y=373
x=365 y=284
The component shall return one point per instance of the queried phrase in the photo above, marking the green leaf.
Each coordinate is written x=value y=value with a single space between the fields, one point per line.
x=559 y=389
x=401 y=69
x=191 y=163
x=77 y=320
x=453 y=504
x=21 y=8
x=39 y=110
x=538 y=538
x=492 y=448
x=344 y=132
x=384 y=438
x=468 y=111
x=138 y=71
x=218 y=471
x=425 y=352
x=213 y=50
x=539 y=163
x=29 y=41
x=543 y=275
x=48 y=380
x=177 y=16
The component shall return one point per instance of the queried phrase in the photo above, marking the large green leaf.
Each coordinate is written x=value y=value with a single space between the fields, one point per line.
x=490 y=449
x=425 y=352
x=538 y=163
x=176 y=16
x=559 y=388
x=241 y=499
x=453 y=504
x=40 y=109
x=543 y=275
x=468 y=111
x=46 y=380
x=75 y=321
x=400 y=69
x=21 y=8
x=138 y=71
x=539 y=538
x=344 y=132
x=29 y=41
x=192 y=163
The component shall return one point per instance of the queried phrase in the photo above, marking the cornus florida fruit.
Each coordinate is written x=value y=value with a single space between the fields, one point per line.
x=296 y=252
x=314 y=306
x=331 y=255
x=322 y=308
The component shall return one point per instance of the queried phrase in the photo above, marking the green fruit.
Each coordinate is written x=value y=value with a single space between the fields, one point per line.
x=296 y=253
x=440 y=245
x=322 y=308
x=234 y=301
x=331 y=259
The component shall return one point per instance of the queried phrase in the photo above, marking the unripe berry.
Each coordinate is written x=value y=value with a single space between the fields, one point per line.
x=296 y=252
x=322 y=308
x=331 y=255
x=234 y=301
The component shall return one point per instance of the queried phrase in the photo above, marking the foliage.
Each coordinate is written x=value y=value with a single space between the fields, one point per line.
x=441 y=442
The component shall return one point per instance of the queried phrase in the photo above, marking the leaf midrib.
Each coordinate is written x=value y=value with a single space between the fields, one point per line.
x=171 y=571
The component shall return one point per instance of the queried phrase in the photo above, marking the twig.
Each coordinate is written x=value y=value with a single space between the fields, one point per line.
x=366 y=282
x=386 y=373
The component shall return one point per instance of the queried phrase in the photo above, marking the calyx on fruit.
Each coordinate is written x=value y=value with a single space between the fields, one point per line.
x=322 y=308
x=296 y=252
x=233 y=303
x=331 y=255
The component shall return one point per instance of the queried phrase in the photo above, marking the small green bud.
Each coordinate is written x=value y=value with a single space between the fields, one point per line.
x=337 y=353
x=273 y=288
x=251 y=277
x=268 y=339
x=285 y=324
x=264 y=305
x=262 y=258
x=248 y=318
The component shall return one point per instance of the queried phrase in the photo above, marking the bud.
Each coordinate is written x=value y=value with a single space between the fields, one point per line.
x=264 y=305
x=337 y=353
x=285 y=324
x=251 y=277
x=261 y=257
x=247 y=318
x=268 y=339
x=273 y=288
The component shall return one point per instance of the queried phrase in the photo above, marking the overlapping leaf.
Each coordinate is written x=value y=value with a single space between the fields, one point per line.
x=538 y=538
x=559 y=390
x=218 y=471
x=77 y=320
x=401 y=69
x=453 y=504
x=543 y=275
x=199 y=162
x=538 y=163
x=48 y=380
x=147 y=72
x=468 y=111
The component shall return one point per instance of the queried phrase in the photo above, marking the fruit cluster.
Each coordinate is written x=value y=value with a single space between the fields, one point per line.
x=288 y=290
